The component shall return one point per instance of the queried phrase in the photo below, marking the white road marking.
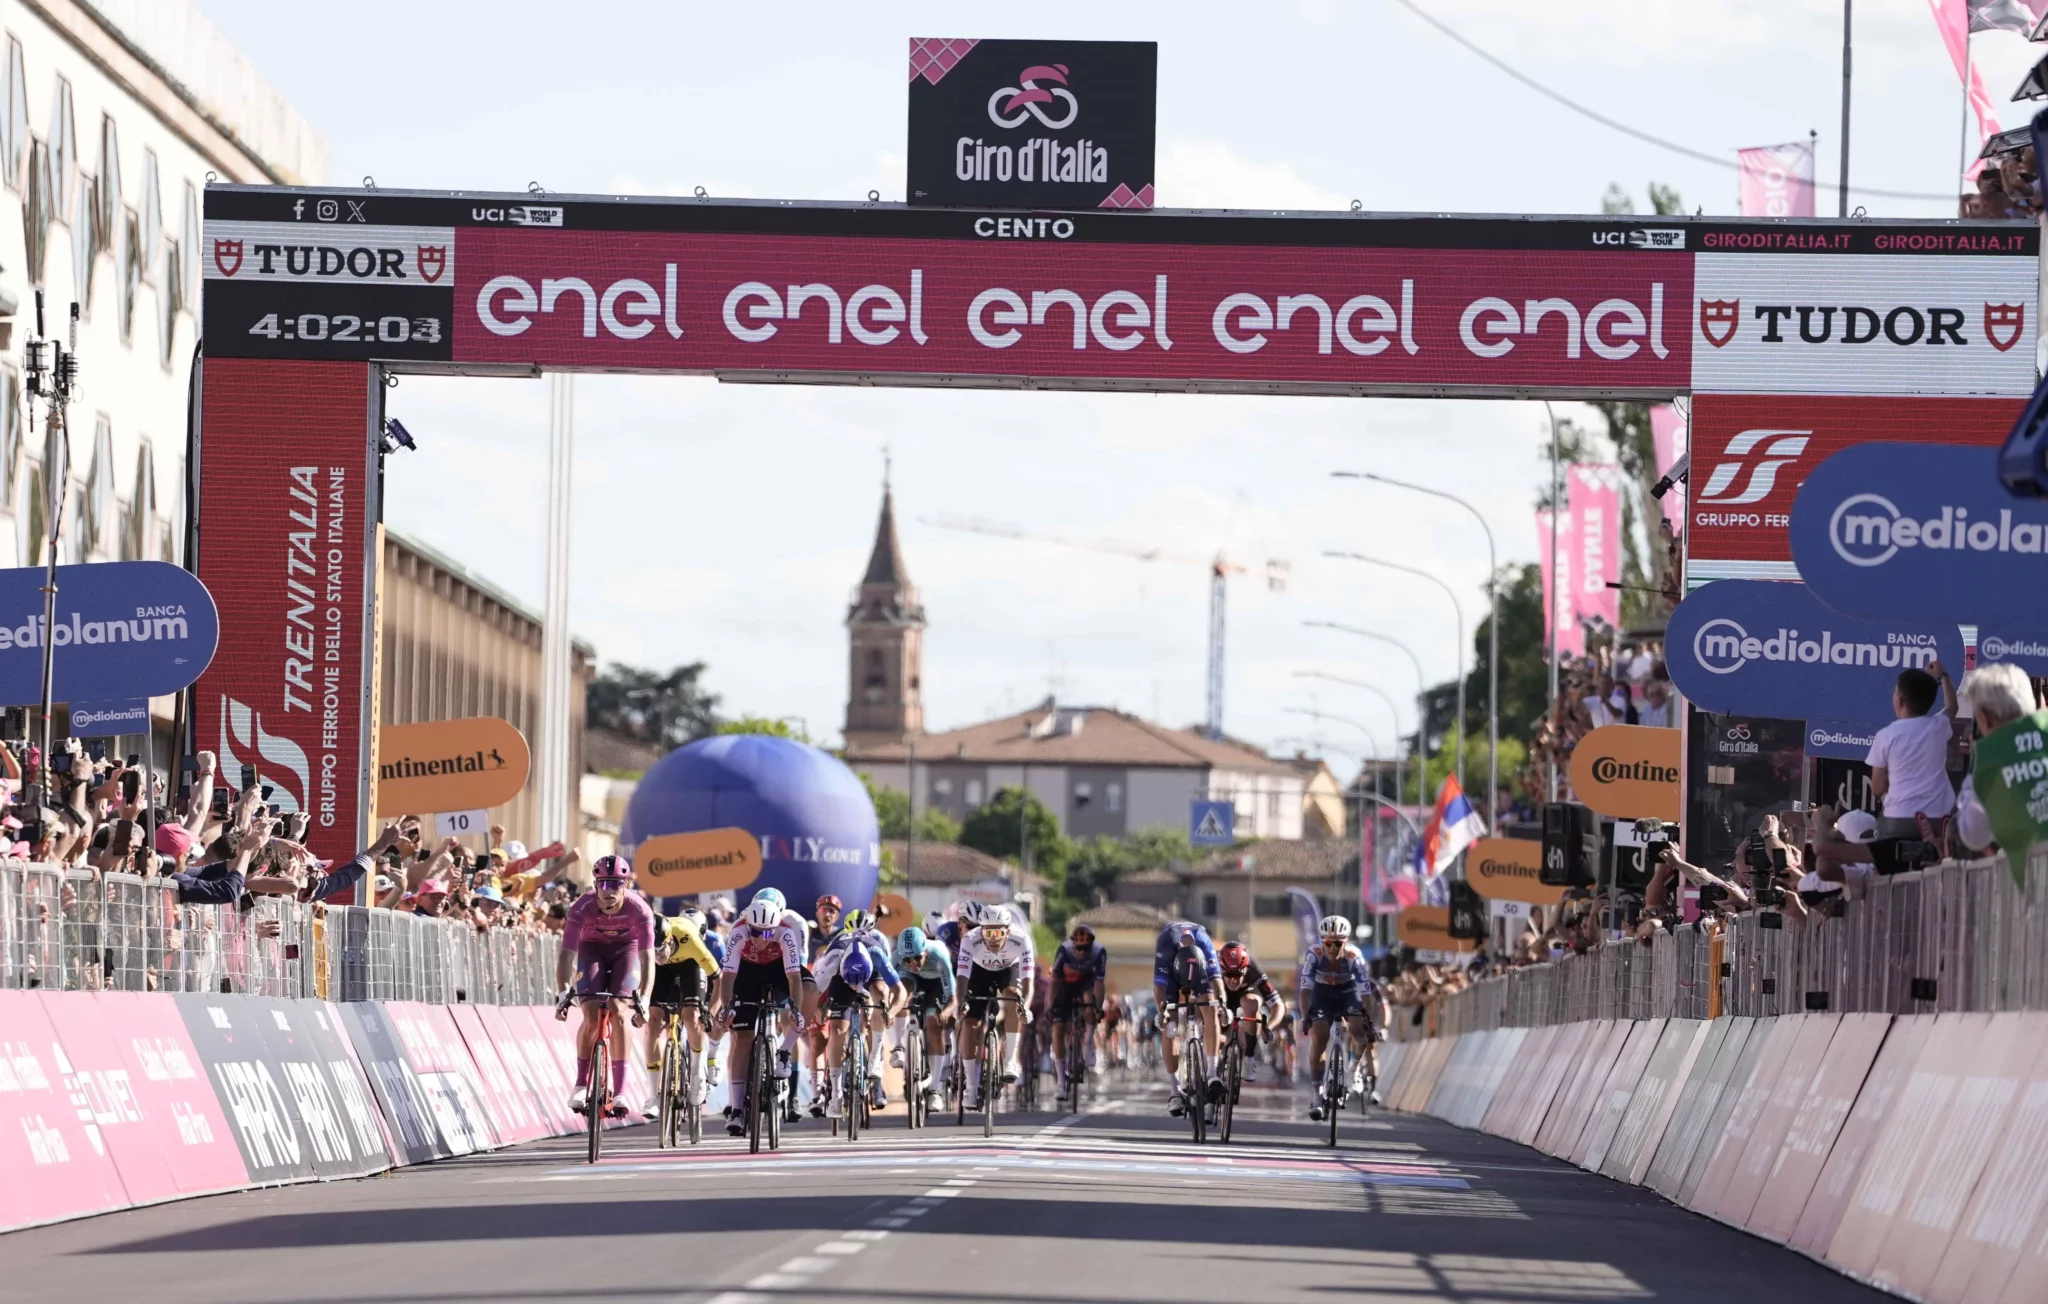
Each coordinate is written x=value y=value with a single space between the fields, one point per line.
x=890 y=1222
x=775 y=1281
x=803 y=1265
x=841 y=1247
x=862 y=1236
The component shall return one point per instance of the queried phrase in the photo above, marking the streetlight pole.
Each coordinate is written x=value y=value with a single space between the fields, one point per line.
x=1375 y=690
x=1370 y=739
x=1493 y=632
x=1421 y=703
x=1553 y=619
x=1457 y=611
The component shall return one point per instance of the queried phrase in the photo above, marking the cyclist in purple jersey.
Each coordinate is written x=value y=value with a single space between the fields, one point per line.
x=608 y=942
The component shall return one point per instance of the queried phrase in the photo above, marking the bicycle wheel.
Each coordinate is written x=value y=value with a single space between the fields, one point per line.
x=913 y=1074
x=959 y=1075
x=686 y=1078
x=595 y=1100
x=774 y=1102
x=1333 y=1089
x=1198 y=1089
x=991 y=1075
x=1233 y=1066
x=853 y=1083
x=757 y=1090
x=668 y=1098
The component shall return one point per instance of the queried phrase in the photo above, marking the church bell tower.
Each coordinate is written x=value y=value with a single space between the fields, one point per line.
x=885 y=633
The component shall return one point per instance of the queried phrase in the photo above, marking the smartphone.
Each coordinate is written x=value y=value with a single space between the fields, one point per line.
x=131 y=786
x=134 y=760
x=248 y=777
x=61 y=763
x=220 y=802
x=97 y=749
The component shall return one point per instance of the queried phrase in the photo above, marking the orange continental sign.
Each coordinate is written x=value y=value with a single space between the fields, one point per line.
x=1507 y=869
x=1629 y=771
x=893 y=913
x=1428 y=928
x=444 y=765
x=713 y=860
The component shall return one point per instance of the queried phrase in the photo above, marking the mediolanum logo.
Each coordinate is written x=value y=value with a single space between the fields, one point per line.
x=1722 y=647
x=1868 y=529
x=1994 y=648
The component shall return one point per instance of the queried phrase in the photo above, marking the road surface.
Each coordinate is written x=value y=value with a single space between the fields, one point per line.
x=1112 y=1206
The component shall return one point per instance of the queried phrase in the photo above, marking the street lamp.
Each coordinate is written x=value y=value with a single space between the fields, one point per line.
x=1457 y=610
x=1370 y=739
x=1375 y=690
x=1421 y=691
x=1493 y=634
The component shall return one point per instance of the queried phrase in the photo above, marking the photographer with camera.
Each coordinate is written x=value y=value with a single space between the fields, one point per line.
x=1995 y=696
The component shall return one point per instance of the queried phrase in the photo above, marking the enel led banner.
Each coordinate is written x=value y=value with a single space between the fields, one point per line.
x=287 y=478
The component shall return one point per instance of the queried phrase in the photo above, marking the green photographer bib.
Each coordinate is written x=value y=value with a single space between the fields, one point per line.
x=2010 y=776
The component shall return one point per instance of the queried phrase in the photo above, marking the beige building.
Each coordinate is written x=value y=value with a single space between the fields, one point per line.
x=1242 y=895
x=454 y=645
x=1325 y=809
x=1128 y=930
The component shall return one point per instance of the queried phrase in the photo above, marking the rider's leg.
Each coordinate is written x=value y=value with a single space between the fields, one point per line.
x=970 y=1038
x=1013 y=1027
x=586 y=1044
x=742 y=1047
x=620 y=1017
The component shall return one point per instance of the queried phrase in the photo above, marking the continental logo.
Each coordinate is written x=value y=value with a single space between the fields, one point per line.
x=477 y=762
x=1491 y=868
x=1606 y=769
x=684 y=864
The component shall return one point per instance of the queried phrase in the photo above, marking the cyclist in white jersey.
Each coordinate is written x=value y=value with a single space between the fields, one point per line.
x=995 y=957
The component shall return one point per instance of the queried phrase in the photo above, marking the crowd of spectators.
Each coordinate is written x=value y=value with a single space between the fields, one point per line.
x=1622 y=681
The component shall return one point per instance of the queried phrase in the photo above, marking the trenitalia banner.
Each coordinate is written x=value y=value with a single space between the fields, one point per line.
x=1594 y=504
x=1762 y=648
x=123 y=629
x=1922 y=530
x=287 y=470
x=1334 y=303
x=1750 y=454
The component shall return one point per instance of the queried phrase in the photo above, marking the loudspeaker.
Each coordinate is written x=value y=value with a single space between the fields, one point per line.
x=1571 y=845
x=1468 y=913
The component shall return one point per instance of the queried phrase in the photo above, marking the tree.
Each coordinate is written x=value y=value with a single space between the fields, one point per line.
x=760 y=724
x=663 y=709
x=1010 y=815
x=892 y=814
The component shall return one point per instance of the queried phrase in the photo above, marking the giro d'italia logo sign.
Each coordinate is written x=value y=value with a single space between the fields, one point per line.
x=1769 y=648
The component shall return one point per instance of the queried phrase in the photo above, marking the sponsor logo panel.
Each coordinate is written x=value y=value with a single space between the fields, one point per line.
x=1389 y=318
x=284 y=251
x=1864 y=324
x=1751 y=453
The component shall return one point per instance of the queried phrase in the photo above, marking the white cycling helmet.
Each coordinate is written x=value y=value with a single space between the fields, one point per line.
x=764 y=912
x=932 y=920
x=1334 y=926
x=973 y=914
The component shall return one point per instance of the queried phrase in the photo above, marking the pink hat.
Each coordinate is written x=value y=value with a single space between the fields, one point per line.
x=173 y=839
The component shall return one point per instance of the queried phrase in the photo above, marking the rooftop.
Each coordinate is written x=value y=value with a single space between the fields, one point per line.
x=1282 y=861
x=946 y=864
x=1122 y=914
x=1050 y=734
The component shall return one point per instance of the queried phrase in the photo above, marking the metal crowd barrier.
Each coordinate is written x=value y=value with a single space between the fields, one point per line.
x=1956 y=937
x=74 y=930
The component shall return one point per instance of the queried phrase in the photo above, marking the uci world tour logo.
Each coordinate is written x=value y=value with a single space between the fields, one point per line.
x=1028 y=99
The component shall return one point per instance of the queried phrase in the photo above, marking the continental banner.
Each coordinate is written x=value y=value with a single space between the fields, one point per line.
x=1508 y=869
x=1628 y=771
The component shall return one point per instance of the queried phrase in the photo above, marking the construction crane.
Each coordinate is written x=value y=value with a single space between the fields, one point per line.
x=1220 y=569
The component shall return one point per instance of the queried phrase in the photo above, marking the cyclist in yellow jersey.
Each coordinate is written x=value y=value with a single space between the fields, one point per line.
x=684 y=964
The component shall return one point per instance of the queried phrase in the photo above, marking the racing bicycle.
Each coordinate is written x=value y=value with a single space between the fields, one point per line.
x=853 y=1073
x=991 y=1058
x=917 y=1066
x=681 y=1109
x=765 y=1086
x=1194 y=1068
x=1336 y=1076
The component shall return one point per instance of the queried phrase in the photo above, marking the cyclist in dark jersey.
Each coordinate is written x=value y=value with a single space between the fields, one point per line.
x=1248 y=991
x=1079 y=969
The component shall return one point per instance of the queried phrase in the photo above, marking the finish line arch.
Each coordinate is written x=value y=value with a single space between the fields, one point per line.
x=314 y=296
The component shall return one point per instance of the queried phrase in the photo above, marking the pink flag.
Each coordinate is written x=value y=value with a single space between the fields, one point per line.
x=1558 y=621
x=1667 y=436
x=1776 y=180
x=1953 y=17
x=1594 y=505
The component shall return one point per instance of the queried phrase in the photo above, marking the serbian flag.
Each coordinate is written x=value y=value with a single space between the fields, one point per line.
x=1453 y=827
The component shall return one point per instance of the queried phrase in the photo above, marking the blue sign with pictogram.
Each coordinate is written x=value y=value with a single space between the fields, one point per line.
x=1212 y=823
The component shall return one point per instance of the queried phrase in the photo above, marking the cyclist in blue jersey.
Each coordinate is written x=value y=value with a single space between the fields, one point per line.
x=1336 y=984
x=853 y=967
x=926 y=968
x=1080 y=968
x=1185 y=973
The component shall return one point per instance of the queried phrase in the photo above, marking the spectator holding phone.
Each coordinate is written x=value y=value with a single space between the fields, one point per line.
x=1909 y=757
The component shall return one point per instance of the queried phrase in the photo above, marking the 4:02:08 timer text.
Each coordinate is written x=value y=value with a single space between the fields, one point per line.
x=341 y=328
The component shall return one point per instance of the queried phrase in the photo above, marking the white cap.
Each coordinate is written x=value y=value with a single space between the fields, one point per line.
x=515 y=850
x=1857 y=826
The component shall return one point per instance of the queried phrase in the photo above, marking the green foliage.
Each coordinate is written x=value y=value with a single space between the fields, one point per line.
x=1524 y=675
x=1009 y=817
x=760 y=724
x=663 y=709
x=1514 y=753
x=892 y=815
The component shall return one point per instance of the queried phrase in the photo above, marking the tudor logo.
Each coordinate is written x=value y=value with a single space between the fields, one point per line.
x=2004 y=323
x=1718 y=318
x=1784 y=447
x=1010 y=106
x=227 y=255
x=431 y=260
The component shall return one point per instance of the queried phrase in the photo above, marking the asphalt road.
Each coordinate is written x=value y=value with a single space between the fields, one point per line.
x=1113 y=1206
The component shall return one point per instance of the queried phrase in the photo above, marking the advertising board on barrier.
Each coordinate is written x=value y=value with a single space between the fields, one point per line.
x=1751 y=453
x=1032 y=124
x=123 y=629
x=54 y=1158
x=1428 y=928
x=1629 y=771
x=1862 y=324
x=1921 y=530
x=287 y=692
x=449 y=765
x=1760 y=647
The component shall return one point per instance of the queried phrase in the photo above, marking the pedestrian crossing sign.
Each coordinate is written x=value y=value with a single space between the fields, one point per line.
x=1212 y=823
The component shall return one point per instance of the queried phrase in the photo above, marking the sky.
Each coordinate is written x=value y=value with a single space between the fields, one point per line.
x=730 y=523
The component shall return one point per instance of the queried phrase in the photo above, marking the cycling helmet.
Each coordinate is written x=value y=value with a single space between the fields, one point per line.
x=763 y=913
x=1190 y=968
x=771 y=894
x=1334 y=926
x=1075 y=934
x=611 y=869
x=830 y=900
x=856 y=970
x=973 y=914
x=910 y=943
x=858 y=921
x=1233 y=957
x=932 y=920
x=694 y=915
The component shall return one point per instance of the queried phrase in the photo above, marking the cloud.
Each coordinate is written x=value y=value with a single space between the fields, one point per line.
x=665 y=590
x=1210 y=174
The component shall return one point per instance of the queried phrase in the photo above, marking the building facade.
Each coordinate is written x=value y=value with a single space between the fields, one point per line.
x=453 y=645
